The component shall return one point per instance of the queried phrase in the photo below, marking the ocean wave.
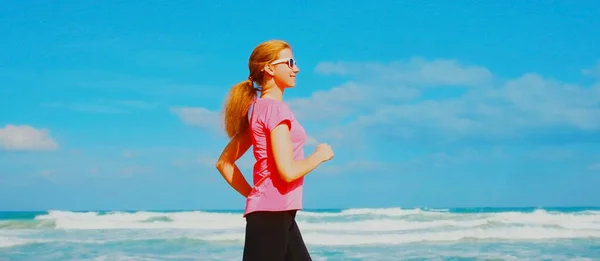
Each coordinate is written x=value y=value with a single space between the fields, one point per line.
x=360 y=220
x=6 y=242
x=317 y=238
x=347 y=227
x=512 y=234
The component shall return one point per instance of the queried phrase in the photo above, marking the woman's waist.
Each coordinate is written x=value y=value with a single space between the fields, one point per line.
x=273 y=182
x=269 y=194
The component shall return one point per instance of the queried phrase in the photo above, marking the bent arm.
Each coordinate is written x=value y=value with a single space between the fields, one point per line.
x=288 y=168
x=234 y=150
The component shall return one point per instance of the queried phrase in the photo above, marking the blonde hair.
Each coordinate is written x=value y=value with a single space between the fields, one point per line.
x=242 y=94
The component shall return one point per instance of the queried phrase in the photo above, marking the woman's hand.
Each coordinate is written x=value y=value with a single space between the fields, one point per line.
x=235 y=149
x=324 y=152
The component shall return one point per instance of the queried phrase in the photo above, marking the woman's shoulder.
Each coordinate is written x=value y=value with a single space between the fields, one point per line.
x=266 y=104
x=268 y=111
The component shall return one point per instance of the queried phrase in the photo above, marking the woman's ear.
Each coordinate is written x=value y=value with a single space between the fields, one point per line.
x=268 y=69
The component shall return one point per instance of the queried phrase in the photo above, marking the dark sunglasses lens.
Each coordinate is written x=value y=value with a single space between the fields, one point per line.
x=292 y=63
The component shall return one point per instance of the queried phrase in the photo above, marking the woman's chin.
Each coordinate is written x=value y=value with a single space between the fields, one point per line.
x=291 y=84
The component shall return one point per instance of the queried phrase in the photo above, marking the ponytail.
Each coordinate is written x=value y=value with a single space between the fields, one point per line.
x=237 y=106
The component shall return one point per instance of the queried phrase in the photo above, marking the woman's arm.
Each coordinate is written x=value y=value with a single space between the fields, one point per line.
x=291 y=169
x=238 y=145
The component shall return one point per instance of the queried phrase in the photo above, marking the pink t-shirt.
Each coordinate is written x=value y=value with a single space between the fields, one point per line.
x=271 y=192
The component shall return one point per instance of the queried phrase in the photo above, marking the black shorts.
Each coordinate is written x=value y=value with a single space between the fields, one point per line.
x=274 y=236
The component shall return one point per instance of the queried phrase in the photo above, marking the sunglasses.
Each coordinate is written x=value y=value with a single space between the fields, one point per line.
x=289 y=61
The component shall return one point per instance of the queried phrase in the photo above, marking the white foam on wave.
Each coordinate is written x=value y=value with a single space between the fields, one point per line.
x=367 y=220
x=349 y=227
x=6 y=242
x=143 y=220
x=119 y=257
x=519 y=234
x=584 y=220
x=389 y=212
x=219 y=221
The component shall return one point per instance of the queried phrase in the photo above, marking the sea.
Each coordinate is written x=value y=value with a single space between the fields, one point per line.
x=333 y=234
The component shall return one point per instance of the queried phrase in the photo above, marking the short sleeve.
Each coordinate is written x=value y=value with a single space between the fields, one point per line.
x=276 y=114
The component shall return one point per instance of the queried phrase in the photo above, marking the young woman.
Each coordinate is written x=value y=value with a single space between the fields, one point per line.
x=278 y=145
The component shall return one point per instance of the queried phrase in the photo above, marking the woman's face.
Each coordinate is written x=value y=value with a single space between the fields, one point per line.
x=285 y=69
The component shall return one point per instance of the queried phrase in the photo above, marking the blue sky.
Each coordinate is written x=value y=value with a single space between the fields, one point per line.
x=437 y=104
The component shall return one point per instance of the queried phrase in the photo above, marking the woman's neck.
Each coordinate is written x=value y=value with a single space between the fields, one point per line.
x=272 y=92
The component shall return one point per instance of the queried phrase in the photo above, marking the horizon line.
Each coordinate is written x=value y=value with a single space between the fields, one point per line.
x=308 y=209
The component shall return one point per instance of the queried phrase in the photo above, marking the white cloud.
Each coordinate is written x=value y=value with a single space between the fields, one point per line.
x=495 y=108
x=23 y=137
x=594 y=71
x=529 y=102
x=311 y=141
x=415 y=71
x=201 y=117
x=348 y=99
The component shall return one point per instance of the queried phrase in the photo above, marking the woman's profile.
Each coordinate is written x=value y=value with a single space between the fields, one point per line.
x=277 y=138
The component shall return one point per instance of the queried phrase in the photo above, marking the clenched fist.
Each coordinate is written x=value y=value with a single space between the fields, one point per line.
x=324 y=152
